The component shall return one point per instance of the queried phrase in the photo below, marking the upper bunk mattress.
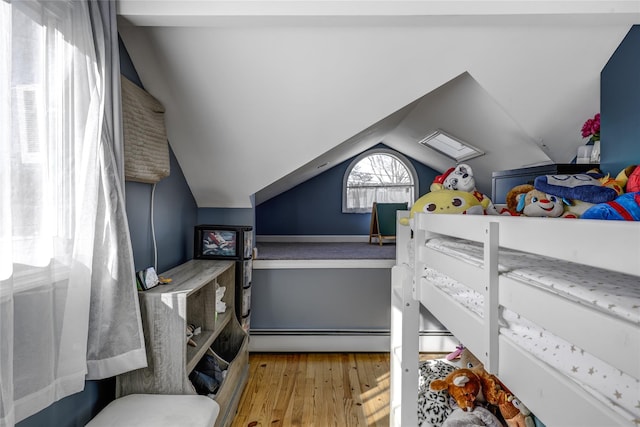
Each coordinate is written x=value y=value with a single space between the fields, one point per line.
x=614 y=293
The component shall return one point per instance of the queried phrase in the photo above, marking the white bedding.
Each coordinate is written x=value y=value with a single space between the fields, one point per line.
x=611 y=292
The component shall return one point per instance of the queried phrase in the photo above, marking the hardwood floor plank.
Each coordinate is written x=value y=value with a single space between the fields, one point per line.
x=316 y=390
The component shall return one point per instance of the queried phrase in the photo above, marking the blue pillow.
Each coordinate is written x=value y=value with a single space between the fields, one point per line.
x=585 y=187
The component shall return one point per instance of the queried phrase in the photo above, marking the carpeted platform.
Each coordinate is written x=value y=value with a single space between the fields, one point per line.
x=316 y=250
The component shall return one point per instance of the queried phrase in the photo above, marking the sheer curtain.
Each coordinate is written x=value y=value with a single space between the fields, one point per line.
x=64 y=241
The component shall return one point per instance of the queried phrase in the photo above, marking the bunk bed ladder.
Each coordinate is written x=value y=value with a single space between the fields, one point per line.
x=405 y=319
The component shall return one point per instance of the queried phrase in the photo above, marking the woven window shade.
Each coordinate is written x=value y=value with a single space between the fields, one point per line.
x=146 y=150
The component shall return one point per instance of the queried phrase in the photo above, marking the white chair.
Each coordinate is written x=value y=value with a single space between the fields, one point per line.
x=158 y=410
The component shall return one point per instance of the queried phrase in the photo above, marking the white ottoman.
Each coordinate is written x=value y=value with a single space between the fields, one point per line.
x=158 y=410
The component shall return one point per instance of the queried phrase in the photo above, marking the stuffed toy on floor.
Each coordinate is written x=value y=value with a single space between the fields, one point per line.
x=464 y=386
x=514 y=412
x=480 y=417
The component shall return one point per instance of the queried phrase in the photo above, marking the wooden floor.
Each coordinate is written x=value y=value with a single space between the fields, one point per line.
x=316 y=389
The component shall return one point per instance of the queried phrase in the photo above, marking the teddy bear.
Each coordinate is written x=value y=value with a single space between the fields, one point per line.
x=494 y=392
x=463 y=386
x=461 y=178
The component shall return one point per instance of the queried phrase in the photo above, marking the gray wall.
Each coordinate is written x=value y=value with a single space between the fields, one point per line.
x=321 y=299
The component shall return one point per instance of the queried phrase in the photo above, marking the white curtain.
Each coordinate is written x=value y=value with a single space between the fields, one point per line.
x=64 y=242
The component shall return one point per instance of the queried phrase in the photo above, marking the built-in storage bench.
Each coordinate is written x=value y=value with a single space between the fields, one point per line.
x=166 y=310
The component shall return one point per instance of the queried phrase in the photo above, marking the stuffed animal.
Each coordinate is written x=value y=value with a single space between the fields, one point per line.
x=514 y=412
x=433 y=406
x=609 y=182
x=514 y=195
x=461 y=178
x=539 y=204
x=624 y=208
x=633 y=183
x=445 y=202
x=480 y=417
x=626 y=174
x=463 y=386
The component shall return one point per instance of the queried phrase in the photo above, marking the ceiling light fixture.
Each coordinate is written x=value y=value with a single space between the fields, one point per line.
x=450 y=146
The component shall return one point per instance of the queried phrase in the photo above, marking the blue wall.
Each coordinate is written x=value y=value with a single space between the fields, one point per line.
x=174 y=209
x=314 y=208
x=620 y=106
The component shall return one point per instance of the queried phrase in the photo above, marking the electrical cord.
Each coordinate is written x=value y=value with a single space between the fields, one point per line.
x=153 y=230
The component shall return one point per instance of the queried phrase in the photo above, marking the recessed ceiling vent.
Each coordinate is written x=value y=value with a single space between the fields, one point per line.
x=450 y=146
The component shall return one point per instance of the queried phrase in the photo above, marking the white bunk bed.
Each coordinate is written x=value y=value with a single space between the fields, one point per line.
x=492 y=268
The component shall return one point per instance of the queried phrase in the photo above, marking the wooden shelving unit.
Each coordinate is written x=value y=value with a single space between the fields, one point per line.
x=166 y=311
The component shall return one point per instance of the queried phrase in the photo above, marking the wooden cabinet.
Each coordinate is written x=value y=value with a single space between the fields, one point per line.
x=166 y=311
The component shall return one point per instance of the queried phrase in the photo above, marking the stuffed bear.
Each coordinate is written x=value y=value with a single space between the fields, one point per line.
x=494 y=392
x=463 y=386
x=461 y=178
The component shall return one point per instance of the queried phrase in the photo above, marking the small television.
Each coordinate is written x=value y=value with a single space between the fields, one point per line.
x=220 y=241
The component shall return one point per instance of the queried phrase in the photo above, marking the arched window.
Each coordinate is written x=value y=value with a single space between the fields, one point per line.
x=381 y=176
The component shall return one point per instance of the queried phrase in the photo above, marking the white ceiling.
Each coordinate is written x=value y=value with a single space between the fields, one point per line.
x=258 y=94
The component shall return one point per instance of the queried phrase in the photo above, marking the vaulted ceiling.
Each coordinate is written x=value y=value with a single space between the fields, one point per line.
x=259 y=94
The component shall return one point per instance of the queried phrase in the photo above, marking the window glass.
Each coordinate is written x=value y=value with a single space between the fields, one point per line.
x=378 y=176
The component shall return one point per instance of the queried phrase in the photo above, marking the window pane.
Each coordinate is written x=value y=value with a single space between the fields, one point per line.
x=379 y=169
x=380 y=178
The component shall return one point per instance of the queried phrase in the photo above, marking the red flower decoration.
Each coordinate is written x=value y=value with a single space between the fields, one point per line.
x=591 y=128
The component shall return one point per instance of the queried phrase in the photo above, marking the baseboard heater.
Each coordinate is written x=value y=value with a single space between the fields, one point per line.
x=343 y=340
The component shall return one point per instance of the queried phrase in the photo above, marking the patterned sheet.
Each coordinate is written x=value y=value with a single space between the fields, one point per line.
x=614 y=293
x=619 y=390
x=611 y=292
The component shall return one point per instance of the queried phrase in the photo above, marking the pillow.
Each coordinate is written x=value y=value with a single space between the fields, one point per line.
x=433 y=406
x=585 y=187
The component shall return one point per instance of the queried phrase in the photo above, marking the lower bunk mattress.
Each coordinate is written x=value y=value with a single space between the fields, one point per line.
x=611 y=292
